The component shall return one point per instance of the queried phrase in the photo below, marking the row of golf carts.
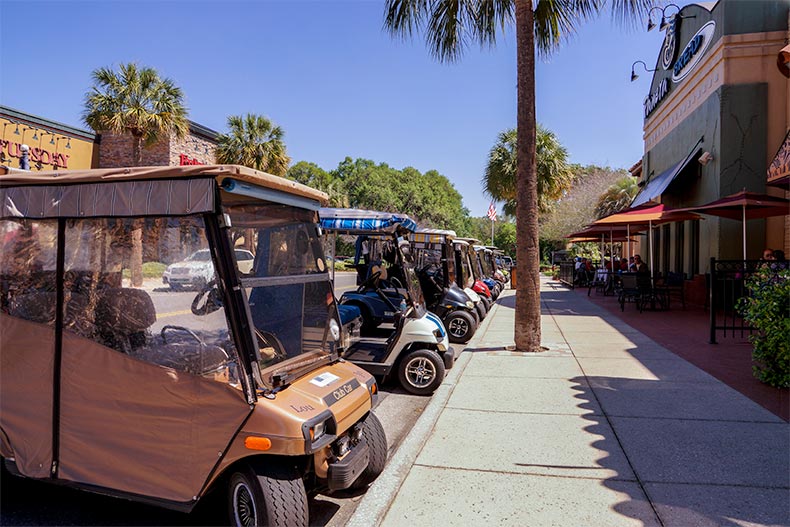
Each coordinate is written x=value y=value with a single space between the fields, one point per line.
x=261 y=383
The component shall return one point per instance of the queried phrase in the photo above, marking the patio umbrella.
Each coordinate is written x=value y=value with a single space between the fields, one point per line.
x=649 y=214
x=744 y=206
x=592 y=233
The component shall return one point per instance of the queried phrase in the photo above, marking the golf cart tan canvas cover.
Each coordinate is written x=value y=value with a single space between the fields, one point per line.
x=77 y=410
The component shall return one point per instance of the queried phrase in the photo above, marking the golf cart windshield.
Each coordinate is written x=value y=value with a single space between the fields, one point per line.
x=485 y=265
x=434 y=254
x=288 y=289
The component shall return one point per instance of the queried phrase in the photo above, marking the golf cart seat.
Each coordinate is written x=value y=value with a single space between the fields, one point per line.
x=122 y=315
x=348 y=313
x=40 y=307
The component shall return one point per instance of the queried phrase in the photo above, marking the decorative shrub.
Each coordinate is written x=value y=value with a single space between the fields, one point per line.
x=767 y=309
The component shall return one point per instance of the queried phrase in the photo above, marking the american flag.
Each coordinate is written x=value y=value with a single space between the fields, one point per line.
x=491 y=212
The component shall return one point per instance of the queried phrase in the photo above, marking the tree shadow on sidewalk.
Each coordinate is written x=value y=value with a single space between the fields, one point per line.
x=694 y=470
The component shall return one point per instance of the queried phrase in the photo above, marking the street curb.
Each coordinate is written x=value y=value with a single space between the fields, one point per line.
x=376 y=502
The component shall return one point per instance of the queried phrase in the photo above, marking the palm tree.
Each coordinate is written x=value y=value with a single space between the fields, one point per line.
x=450 y=26
x=617 y=197
x=554 y=174
x=138 y=102
x=254 y=141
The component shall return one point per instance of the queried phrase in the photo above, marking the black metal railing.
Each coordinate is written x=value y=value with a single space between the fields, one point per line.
x=567 y=271
x=726 y=286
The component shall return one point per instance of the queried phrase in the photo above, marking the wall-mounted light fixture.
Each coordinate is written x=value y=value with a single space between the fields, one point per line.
x=664 y=22
x=634 y=76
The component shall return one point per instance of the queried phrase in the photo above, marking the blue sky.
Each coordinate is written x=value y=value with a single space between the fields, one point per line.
x=333 y=79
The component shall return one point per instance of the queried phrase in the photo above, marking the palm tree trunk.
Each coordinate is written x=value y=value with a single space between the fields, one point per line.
x=136 y=258
x=527 y=324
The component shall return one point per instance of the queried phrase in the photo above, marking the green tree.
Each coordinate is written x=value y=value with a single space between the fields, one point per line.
x=617 y=197
x=254 y=141
x=576 y=208
x=138 y=102
x=554 y=173
x=450 y=26
x=314 y=176
x=505 y=237
x=430 y=198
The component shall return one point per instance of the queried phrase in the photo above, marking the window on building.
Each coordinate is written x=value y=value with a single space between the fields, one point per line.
x=694 y=248
x=666 y=237
x=680 y=241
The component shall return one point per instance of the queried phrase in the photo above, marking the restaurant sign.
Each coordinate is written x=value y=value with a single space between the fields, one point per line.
x=652 y=100
x=780 y=167
x=693 y=52
x=38 y=156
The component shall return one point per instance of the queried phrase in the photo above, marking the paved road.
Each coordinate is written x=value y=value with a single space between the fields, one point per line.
x=25 y=502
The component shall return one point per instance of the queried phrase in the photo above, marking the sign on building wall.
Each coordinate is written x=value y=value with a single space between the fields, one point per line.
x=780 y=167
x=677 y=59
x=47 y=148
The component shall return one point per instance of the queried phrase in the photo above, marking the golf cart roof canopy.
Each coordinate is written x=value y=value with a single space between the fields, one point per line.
x=433 y=235
x=141 y=191
x=470 y=241
x=358 y=221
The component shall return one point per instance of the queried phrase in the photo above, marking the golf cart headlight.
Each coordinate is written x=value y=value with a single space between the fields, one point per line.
x=334 y=329
x=318 y=431
x=470 y=304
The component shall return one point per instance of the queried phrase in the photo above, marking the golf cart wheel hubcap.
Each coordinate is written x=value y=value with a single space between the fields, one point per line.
x=420 y=372
x=244 y=505
x=458 y=327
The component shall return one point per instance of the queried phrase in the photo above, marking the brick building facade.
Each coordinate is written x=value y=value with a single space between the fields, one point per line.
x=196 y=148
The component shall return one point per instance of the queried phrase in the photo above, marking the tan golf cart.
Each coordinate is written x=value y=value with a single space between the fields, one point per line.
x=114 y=382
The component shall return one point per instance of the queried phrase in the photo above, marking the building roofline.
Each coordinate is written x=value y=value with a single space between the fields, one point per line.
x=40 y=122
x=203 y=131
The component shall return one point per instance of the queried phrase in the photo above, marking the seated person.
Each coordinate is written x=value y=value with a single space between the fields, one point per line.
x=639 y=266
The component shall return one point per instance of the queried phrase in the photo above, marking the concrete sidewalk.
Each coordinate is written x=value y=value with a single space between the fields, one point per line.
x=606 y=428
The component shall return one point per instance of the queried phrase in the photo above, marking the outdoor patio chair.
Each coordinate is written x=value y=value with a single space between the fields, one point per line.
x=631 y=289
x=674 y=285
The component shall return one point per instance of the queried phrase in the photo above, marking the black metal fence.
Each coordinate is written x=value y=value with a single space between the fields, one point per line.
x=727 y=285
x=567 y=270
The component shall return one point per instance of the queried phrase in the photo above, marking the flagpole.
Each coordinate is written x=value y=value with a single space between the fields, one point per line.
x=492 y=232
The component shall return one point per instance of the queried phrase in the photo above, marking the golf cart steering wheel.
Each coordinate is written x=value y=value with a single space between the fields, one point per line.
x=369 y=281
x=185 y=330
x=269 y=346
x=207 y=300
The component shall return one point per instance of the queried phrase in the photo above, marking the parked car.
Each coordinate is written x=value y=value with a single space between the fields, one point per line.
x=197 y=269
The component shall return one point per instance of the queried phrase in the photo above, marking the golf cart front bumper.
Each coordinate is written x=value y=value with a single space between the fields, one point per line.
x=345 y=471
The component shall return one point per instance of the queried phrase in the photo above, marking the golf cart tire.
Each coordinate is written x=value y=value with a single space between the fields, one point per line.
x=481 y=309
x=376 y=439
x=410 y=376
x=272 y=496
x=456 y=322
x=488 y=302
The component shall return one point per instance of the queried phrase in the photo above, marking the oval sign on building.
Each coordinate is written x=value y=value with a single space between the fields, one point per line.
x=693 y=52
